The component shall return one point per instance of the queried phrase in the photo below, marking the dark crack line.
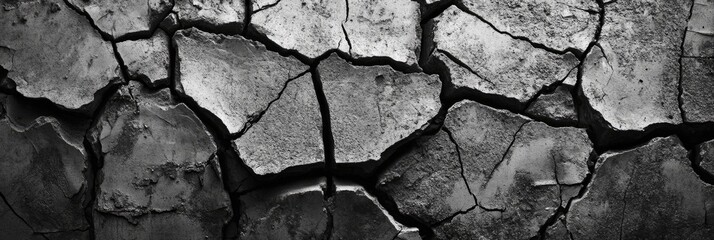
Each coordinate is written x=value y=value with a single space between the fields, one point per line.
x=347 y=37
x=680 y=88
x=328 y=140
x=505 y=153
x=20 y=217
x=264 y=7
x=252 y=120
x=463 y=65
x=572 y=50
x=461 y=163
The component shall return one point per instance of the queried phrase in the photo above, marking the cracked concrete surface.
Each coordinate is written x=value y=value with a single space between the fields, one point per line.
x=356 y=119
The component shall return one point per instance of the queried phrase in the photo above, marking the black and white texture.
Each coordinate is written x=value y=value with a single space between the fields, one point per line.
x=356 y=119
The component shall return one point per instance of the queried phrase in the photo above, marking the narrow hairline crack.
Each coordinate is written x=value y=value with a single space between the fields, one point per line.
x=461 y=163
x=254 y=119
x=680 y=87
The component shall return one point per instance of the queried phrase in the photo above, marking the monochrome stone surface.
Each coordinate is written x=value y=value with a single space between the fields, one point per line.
x=373 y=108
x=52 y=52
x=356 y=119
x=631 y=79
x=232 y=77
x=495 y=63
x=160 y=170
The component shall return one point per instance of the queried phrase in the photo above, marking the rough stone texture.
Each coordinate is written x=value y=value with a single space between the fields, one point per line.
x=233 y=78
x=373 y=108
x=377 y=28
x=289 y=134
x=296 y=210
x=125 y=18
x=632 y=79
x=147 y=59
x=426 y=182
x=362 y=28
x=519 y=181
x=481 y=58
x=704 y=156
x=221 y=15
x=697 y=89
x=558 y=24
x=160 y=171
x=644 y=193
x=699 y=39
x=358 y=215
x=557 y=106
x=43 y=179
x=52 y=52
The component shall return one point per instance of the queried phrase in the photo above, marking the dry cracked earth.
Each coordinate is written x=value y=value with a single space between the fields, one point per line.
x=357 y=119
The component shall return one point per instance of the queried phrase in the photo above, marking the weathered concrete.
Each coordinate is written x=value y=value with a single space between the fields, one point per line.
x=480 y=58
x=159 y=170
x=232 y=77
x=631 y=80
x=147 y=59
x=52 y=52
x=426 y=182
x=125 y=18
x=288 y=135
x=704 y=156
x=644 y=193
x=373 y=108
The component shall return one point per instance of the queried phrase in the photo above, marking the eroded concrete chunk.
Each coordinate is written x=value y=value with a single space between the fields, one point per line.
x=232 y=77
x=43 y=178
x=519 y=181
x=288 y=135
x=225 y=16
x=480 y=58
x=295 y=210
x=631 y=79
x=361 y=28
x=699 y=39
x=426 y=182
x=643 y=193
x=125 y=18
x=704 y=156
x=147 y=59
x=50 y=51
x=558 y=25
x=373 y=108
x=160 y=171
x=358 y=215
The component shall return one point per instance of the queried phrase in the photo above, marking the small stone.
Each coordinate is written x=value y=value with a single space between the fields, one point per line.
x=147 y=59
x=373 y=108
x=557 y=106
x=559 y=25
x=226 y=16
x=170 y=24
x=125 y=18
x=295 y=210
x=480 y=58
x=697 y=86
x=644 y=193
x=288 y=135
x=632 y=78
x=160 y=171
x=699 y=39
x=426 y=181
x=358 y=215
x=704 y=155
x=361 y=28
x=42 y=178
x=232 y=77
x=52 y=52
